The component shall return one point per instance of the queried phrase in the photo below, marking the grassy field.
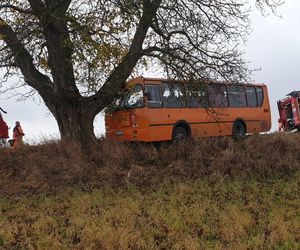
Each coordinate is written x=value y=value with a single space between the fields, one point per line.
x=206 y=214
x=207 y=194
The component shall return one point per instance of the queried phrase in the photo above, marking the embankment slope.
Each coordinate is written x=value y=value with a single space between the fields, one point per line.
x=201 y=194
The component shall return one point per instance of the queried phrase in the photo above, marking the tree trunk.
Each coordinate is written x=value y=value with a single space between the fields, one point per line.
x=75 y=121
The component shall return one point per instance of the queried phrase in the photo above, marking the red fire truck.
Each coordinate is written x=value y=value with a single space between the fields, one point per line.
x=3 y=127
x=289 y=112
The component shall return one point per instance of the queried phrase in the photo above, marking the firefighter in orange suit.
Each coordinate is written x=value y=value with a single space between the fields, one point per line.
x=18 y=135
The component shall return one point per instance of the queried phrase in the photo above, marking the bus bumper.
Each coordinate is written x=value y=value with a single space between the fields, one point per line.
x=128 y=134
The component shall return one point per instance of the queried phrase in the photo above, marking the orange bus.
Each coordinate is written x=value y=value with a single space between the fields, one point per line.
x=154 y=109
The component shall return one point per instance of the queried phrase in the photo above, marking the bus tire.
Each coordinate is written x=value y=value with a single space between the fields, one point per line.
x=238 y=130
x=179 y=134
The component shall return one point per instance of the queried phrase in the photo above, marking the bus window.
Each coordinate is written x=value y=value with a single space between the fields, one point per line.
x=153 y=96
x=217 y=95
x=236 y=96
x=135 y=99
x=251 y=96
x=260 y=96
x=196 y=95
x=173 y=95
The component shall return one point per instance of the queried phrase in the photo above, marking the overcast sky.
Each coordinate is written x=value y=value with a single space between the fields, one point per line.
x=273 y=46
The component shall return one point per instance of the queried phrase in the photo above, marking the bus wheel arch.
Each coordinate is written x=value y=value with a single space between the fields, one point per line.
x=239 y=129
x=181 y=131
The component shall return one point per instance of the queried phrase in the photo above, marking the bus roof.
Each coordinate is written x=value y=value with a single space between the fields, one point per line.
x=153 y=79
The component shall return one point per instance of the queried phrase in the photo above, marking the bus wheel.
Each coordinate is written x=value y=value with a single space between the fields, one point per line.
x=179 y=134
x=238 y=130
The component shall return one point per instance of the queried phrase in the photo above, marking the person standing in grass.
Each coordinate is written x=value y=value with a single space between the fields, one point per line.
x=3 y=131
x=18 y=135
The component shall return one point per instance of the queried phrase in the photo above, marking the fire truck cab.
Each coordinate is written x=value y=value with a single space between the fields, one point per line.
x=289 y=112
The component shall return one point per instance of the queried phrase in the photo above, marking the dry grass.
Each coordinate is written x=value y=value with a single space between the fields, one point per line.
x=203 y=194
x=55 y=166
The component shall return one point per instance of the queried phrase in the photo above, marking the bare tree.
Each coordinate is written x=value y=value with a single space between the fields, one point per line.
x=77 y=54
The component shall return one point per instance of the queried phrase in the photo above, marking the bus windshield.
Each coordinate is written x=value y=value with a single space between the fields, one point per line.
x=133 y=98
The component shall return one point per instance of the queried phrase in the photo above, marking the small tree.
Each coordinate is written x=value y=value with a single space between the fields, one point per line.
x=77 y=54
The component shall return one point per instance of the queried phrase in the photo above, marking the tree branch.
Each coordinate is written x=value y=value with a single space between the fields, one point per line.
x=62 y=5
x=120 y=74
x=16 y=8
x=38 y=7
x=24 y=61
x=59 y=45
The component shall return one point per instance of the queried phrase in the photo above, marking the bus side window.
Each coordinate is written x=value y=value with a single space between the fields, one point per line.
x=173 y=95
x=236 y=96
x=260 y=96
x=196 y=95
x=153 y=96
x=217 y=95
x=251 y=97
